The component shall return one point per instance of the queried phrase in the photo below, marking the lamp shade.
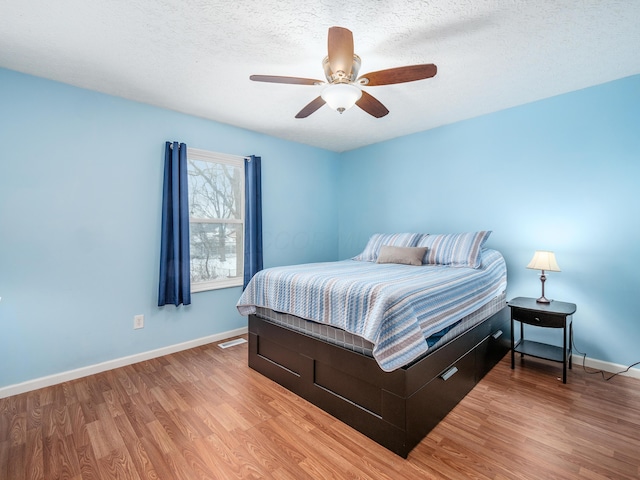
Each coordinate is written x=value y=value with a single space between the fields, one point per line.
x=543 y=260
x=341 y=96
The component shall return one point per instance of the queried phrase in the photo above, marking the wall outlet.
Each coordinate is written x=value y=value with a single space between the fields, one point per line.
x=138 y=321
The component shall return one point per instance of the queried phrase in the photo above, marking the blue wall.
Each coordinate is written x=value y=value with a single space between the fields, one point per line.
x=80 y=190
x=80 y=184
x=560 y=174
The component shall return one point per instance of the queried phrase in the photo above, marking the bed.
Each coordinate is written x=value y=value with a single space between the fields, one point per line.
x=386 y=346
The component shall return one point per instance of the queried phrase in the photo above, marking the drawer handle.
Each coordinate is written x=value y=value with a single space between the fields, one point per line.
x=449 y=373
x=497 y=335
x=536 y=319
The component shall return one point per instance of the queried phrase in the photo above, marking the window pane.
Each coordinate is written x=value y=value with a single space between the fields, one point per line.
x=216 y=251
x=215 y=190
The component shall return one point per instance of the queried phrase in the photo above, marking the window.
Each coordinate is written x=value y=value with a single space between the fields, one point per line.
x=216 y=219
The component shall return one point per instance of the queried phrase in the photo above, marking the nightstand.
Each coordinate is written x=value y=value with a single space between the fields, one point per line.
x=549 y=315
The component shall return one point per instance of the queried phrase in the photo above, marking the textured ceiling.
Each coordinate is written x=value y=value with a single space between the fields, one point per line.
x=195 y=56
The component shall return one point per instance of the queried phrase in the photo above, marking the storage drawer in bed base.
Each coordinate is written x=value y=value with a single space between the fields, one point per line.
x=396 y=409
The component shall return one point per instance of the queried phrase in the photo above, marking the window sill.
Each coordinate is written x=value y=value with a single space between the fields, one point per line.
x=215 y=285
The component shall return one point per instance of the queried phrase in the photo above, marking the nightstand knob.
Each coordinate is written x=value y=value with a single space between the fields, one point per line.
x=536 y=319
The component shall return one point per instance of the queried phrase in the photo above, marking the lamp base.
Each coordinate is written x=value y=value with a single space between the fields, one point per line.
x=542 y=298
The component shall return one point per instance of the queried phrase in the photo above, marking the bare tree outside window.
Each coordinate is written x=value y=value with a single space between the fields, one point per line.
x=216 y=211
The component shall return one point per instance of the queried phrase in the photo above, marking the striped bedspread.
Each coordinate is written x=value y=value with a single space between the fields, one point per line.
x=395 y=307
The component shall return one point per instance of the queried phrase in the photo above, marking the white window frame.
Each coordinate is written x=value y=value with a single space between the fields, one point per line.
x=235 y=161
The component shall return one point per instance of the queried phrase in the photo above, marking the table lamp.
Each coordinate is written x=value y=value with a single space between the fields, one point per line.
x=543 y=260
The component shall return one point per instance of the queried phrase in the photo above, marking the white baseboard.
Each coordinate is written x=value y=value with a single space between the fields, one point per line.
x=42 y=382
x=116 y=363
x=610 y=368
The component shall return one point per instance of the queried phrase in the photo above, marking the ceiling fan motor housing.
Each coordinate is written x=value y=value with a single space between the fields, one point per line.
x=340 y=76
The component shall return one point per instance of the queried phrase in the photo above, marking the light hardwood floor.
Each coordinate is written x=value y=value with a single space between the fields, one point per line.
x=203 y=414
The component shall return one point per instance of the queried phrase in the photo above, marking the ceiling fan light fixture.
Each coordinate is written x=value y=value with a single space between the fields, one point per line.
x=341 y=96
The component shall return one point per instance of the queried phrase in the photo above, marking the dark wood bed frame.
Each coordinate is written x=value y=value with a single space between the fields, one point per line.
x=396 y=409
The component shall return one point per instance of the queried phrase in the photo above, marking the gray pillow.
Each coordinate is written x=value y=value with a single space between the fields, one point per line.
x=403 y=255
x=372 y=249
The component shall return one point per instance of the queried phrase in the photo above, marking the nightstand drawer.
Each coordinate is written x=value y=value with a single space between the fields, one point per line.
x=540 y=319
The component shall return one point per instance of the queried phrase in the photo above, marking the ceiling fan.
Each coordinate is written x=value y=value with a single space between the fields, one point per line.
x=341 y=68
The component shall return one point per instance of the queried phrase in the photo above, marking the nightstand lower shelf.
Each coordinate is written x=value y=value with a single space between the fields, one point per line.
x=539 y=350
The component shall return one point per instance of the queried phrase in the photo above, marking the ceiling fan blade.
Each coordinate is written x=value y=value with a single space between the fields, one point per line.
x=390 y=76
x=371 y=105
x=340 y=47
x=290 y=80
x=311 y=107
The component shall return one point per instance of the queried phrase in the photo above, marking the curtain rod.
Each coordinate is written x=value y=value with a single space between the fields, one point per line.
x=239 y=156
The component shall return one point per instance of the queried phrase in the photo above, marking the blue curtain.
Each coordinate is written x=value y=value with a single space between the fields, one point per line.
x=175 y=280
x=252 y=218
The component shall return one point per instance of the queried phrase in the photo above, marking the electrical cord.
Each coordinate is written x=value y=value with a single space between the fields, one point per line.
x=601 y=372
